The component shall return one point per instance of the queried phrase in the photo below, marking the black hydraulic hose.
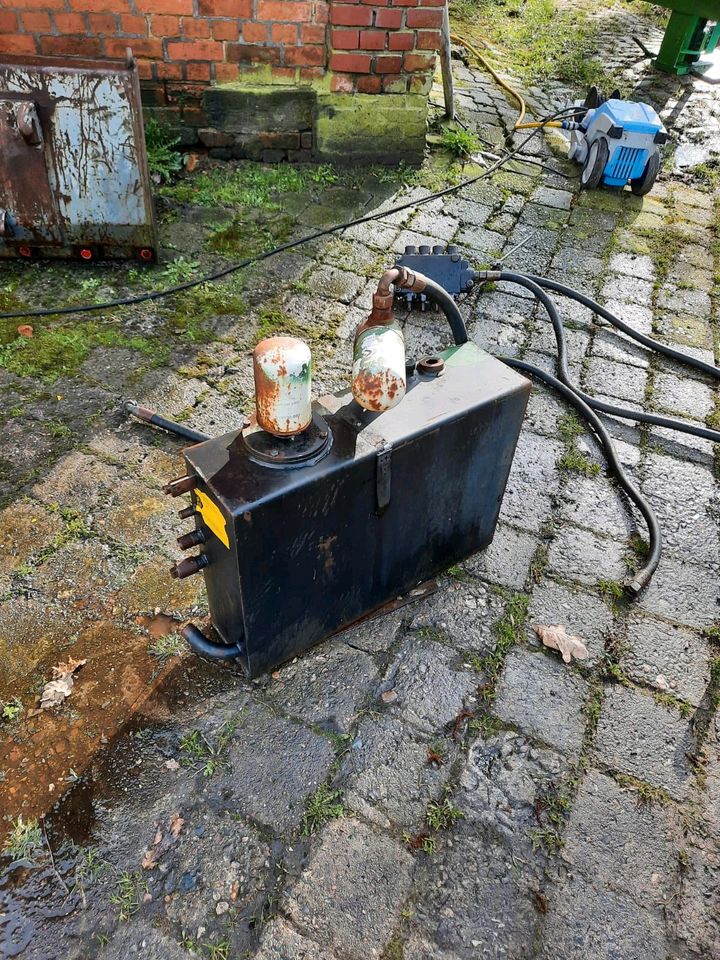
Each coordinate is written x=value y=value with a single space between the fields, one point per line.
x=609 y=408
x=149 y=416
x=209 y=648
x=439 y=295
x=606 y=314
x=290 y=245
x=641 y=579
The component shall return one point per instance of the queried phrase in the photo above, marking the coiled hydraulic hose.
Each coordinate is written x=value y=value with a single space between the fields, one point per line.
x=610 y=408
x=570 y=393
x=611 y=318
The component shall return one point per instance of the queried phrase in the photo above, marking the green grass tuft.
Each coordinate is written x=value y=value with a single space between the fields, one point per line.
x=322 y=805
x=24 y=838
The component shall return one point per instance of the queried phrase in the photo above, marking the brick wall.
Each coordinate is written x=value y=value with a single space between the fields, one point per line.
x=182 y=46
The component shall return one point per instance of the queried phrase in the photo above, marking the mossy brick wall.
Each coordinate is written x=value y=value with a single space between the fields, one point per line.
x=186 y=47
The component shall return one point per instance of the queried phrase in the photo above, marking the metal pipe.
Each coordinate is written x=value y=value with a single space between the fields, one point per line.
x=149 y=416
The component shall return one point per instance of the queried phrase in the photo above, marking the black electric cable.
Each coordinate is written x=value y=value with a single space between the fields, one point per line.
x=282 y=248
x=640 y=580
x=610 y=408
x=646 y=341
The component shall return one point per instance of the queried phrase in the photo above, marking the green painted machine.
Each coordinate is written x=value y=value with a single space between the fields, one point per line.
x=693 y=29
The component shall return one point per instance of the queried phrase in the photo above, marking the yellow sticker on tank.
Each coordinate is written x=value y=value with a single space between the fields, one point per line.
x=214 y=520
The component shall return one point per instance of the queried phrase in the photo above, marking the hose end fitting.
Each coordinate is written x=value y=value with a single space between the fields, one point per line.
x=483 y=276
x=635 y=586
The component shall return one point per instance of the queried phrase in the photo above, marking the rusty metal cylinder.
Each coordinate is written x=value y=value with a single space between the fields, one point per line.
x=378 y=375
x=282 y=367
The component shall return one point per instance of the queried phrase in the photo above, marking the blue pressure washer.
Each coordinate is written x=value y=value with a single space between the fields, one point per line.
x=617 y=142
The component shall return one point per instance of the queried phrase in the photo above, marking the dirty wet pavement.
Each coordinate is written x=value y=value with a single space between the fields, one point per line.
x=431 y=784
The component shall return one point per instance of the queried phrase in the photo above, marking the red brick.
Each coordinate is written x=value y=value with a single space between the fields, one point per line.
x=147 y=49
x=251 y=53
x=390 y=19
x=312 y=33
x=197 y=71
x=14 y=43
x=312 y=73
x=388 y=64
x=350 y=16
x=38 y=5
x=405 y=3
x=431 y=3
x=369 y=84
x=225 y=72
x=342 y=84
x=101 y=6
x=345 y=39
x=170 y=71
x=373 y=39
x=377 y=3
x=258 y=33
x=395 y=84
x=8 y=21
x=165 y=26
x=225 y=29
x=350 y=62
x=424 y=18
x=321 y=14
x=417 y=61
x=145 y=69
x=295 y=11
x=285 y=73
x=195 y=28
x=401 y=41
x=281 y=32
x=225 y=8
x=305 y=56
x=69 y=22
x=134 y=26
x=37 y=22
x=102 y=23
x=429 y=40
x=173 y=7
x=199 y=50
x=71 y=46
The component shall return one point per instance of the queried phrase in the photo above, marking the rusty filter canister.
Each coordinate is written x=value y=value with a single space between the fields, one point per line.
x=378 y=375
x=282 y=371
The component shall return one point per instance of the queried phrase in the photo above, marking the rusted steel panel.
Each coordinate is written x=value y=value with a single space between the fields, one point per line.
x=282 y=369
x=73 y=167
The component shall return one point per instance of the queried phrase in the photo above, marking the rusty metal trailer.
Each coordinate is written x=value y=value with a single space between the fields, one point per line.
x=73 y=169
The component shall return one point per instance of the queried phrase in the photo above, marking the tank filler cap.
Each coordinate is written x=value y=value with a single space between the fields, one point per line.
x=431 y=366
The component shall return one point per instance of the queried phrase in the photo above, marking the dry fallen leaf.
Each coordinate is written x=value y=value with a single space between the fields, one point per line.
x=60 y=687
x=172 y=764
x=556 y=637
x=176 y=824
x=150 y=860
x=388 y=696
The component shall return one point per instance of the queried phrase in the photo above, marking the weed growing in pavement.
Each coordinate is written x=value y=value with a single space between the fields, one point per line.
x=11 y=710
x=548 y=839
x=460 y=143
x=201 y=755
x=572 y=461
x=129 y=891
x=171 y=645
x=25 y=836
x=163 y=158
x=322 y=805
x=442 y=814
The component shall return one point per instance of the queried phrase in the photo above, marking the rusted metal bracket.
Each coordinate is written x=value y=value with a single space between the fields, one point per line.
x=383 y=478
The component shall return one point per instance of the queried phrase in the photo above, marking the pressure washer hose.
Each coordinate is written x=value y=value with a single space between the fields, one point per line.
x=643 y=576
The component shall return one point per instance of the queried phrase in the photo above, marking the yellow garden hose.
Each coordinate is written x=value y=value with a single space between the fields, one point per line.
x=519 y=125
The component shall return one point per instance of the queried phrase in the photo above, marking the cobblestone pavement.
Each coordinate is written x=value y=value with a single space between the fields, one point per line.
x=431 y=785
